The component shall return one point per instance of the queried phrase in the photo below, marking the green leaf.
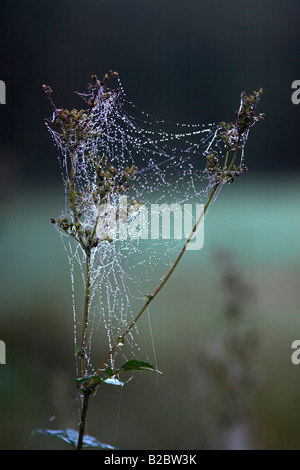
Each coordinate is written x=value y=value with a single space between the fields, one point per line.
x=109 y=372
x=71 y=437
x=79 y=352
x=87 y=378
x=93 y=380
x=138 y=365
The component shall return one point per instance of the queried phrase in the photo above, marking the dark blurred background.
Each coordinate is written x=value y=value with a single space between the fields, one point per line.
x=187 y=62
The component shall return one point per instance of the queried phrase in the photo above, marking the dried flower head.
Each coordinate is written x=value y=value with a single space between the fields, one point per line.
x=233 y=136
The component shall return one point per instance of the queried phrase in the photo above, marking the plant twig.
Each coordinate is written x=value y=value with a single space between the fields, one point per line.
x=83 y=420
x=152 y=296
x=86 y=312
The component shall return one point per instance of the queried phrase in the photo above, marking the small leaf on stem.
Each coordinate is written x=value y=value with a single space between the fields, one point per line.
x=138 y=365
x=70 y=437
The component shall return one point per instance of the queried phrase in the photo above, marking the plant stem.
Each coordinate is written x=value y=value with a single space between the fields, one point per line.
x=86 y=311
x=82 y=350
x=73 y=201
x=87 y=251
x=226 y=158
x=82 y=420
x=235 y=153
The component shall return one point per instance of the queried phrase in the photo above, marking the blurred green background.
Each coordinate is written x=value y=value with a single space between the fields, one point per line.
x=228 y=382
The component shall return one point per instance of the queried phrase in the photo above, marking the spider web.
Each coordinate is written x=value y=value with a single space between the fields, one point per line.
x=171 y=170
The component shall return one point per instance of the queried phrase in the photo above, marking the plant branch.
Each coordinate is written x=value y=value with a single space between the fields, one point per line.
x=83 y=420
x=235 y=153
x=152 y=296
x=86 y=312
